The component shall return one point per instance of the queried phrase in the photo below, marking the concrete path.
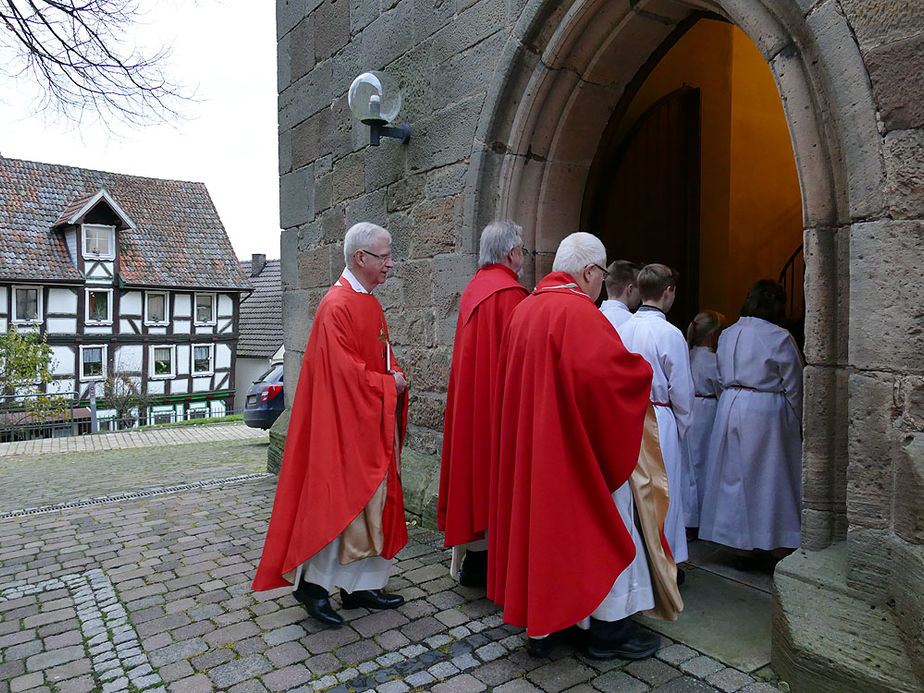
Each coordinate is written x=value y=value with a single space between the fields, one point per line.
x=153 y=593
x=148 y=437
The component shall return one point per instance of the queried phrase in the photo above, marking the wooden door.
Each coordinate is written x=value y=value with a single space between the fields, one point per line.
x=645 y=206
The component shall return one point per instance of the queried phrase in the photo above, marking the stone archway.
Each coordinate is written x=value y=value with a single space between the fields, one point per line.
x=564 y=70
x=567 y=70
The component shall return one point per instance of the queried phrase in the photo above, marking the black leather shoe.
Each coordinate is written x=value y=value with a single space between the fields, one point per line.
x=370 y=599
x=474 y=571
x=542 y=647
x=539 y=647
x=609 y=639
x=317 y=603
x=681 y=576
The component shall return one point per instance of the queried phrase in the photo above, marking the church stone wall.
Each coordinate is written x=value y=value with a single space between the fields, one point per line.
x=444 y=54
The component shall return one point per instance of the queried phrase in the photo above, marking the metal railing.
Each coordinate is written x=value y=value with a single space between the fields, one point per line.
x=20 y=421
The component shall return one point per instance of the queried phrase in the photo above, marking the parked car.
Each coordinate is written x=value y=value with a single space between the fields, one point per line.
x=265 y=400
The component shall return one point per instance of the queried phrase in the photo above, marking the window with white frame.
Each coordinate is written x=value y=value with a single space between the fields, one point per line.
x=27 y=304
x=163 y=361
x=203 y=359
x=93 y=362
x=99 y=306
x=205 y=309
x=98 y=242
x=155 y=308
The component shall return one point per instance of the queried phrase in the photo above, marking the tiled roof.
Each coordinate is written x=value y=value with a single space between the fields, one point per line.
x=179 y=239
x=260 y=323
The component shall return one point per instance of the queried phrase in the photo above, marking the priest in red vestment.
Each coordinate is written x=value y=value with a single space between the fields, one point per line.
x=338 y=517
x=572 y=403
x=484 y=309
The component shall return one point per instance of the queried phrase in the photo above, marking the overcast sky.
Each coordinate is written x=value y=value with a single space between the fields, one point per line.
x=226 y=51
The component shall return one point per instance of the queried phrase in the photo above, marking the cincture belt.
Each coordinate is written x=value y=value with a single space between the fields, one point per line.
x=754 y=389
x=661 y=404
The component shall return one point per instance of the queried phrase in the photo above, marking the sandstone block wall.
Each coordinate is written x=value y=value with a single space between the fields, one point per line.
x=443 y=54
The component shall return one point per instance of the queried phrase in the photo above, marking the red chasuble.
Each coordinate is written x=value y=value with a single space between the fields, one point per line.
x=484 y=309
x=572 y=406
x=341 y=441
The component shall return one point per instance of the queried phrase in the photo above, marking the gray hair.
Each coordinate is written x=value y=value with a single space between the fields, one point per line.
x=359 y=237
x=577 y=251
x=498 y=239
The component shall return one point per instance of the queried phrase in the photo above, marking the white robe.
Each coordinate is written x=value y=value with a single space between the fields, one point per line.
x=649 y=334
x=753 y=494
x=632 y=592
x=705 y=369
x=615 y=311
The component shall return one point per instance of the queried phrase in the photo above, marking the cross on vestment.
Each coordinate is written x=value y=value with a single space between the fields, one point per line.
x=386 y=347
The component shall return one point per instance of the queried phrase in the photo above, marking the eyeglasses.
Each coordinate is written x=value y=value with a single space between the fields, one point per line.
x=383 y=258
x=524 y=250
x=605 y=273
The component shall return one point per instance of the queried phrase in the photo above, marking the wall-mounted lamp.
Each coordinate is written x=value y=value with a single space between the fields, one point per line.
x=375 y=100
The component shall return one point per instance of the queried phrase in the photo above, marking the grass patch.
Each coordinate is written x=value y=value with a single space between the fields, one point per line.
x=196 y=422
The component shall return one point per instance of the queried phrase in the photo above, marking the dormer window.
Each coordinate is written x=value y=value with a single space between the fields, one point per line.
x=98 y=242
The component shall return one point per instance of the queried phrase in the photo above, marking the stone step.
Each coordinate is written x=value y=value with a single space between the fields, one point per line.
x=826 y=637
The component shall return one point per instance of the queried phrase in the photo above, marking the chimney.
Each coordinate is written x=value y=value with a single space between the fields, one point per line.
x=257 y=263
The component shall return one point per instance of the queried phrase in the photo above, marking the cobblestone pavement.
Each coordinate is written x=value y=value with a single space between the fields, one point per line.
x=141 y=438
x=153 y=593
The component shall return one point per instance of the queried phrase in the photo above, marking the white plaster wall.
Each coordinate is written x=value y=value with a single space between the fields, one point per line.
x=97 y=275
x=179 y=386
x=4 y=325
x=65 y=361
x=155 y=387
x=225 y=306
x=130 y=303
x=182 y=326
x=64 y=385
x=157 y=330
x=3 y=294
x=183 y=355
x=129 y=358
x=222 y=356
x=97 y=329
x=62 y=301
x=202 y=384
x=181 y=306
x=61 y=325
x=205 y=329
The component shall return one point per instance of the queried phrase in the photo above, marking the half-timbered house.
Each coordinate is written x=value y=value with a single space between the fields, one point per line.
x=126 y=277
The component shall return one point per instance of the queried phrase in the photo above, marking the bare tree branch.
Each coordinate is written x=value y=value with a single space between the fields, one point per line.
x=78 y=53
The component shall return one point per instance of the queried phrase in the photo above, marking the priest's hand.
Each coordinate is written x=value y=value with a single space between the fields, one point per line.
x=400 y=382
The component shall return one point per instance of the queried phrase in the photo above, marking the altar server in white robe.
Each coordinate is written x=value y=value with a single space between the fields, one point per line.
x=703 y=338
x=649 y=334
x=622 y=292
x=754 y=489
